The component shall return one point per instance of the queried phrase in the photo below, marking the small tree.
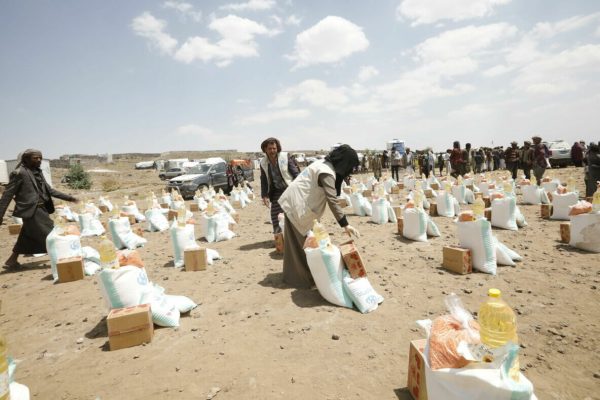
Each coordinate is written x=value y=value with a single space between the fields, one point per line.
x=77 y=178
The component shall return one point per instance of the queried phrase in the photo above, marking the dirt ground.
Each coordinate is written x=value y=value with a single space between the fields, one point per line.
x=252 y=337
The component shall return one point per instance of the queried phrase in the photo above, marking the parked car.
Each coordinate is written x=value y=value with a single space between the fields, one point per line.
x=560 y=153
x=209 y=174
x=172 y=173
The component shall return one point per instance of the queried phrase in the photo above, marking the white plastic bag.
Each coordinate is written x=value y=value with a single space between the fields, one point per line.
x=122 y=235
x=477 y=236
x=362 y=294
x=382 y=212
x=156 y=220
x=216 y=228
x=533 y=194
x=131 y=209
x=447 y=205
x=561 y=204
x=504 y=213
x=90 y=225
x=61 y=246
x=415 y=224
x=585 y=232
x=360 y=205
x=459 y=193
x=183 y=239
x=327 y=269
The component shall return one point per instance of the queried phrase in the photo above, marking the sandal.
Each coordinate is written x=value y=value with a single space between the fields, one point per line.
x=9 y=267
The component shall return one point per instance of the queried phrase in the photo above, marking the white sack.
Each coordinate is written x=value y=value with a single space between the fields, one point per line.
x=585 y=232
x=561 y=204
x=327 y=269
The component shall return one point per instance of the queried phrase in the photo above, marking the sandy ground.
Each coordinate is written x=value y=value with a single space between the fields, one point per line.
x=252 y=337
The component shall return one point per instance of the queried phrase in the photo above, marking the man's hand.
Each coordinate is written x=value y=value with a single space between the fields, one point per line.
x=266 y=201
x=352 y=231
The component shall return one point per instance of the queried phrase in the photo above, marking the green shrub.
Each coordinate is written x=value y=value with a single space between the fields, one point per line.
x=77 y=178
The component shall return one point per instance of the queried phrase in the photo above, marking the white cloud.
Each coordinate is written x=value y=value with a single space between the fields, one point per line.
x=330 y=40
x=251 y=5
x=152 y=29
x=185 y=9
x=470 y=111
x=193 y=130
x=271 y=116
x=237 y=41
x=431 y=11
x=312 y=92
x=367 y=72
x=293 y=20
x=497 y=71
x=546 y=30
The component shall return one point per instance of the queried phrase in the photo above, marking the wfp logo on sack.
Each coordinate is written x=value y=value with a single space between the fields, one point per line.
x=142 y=278
x=372 y=299
x=75 y=245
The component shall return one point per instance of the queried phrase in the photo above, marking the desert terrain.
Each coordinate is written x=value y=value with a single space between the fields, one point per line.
x=252 y=337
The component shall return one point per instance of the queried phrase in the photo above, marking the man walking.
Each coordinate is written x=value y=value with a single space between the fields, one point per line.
x=539 y=159
x=277 y=171
x=33 y=203
x=527 y=159
x=511 y=155
x=396 y=158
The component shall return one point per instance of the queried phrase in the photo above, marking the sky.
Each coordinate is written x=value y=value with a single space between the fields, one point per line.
x=117 y=76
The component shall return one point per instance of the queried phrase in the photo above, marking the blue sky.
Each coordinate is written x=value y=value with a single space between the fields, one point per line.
x=151 y=76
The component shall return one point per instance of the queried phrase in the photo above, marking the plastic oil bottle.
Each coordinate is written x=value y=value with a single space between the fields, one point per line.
x=498 y=325
x=108 y=254
x=478 y=208
x=321 y=234
x=507 y=187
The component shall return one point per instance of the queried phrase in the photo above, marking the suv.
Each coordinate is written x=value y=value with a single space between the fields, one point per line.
x=171 y=173
x=213 y=174
x=560 y=153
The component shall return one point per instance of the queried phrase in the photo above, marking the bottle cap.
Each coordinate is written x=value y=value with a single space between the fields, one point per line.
x=494 y=292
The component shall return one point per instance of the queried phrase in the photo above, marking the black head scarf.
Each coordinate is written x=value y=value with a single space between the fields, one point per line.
x=344 y=159
x=24 y=156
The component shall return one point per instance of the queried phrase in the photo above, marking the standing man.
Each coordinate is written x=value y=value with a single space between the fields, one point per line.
x=377 y=166
x=527 y=159
x=539 y=159
x=446 y=157
x=577 y=154
x=396 y=158
x=33 y=203
x=407 y=160
x=466 y=157
x=456 y=160
x=277 y=171
x=511 y=155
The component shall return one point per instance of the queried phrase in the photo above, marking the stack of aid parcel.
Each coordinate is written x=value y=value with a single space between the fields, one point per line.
x=130 y=326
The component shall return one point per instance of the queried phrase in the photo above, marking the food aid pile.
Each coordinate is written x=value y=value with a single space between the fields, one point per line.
x=468 y=359
x=418 y=225
x=585 y=224
x=340 y=280
x=381 y=209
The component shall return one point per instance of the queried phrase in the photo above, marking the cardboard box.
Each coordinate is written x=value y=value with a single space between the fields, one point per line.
x=172 y=215
x=487 y=201
x=194 y=207
x=416 y=384
x=470 y=187
x=195 y=259
x=129 y=326
x=549 y=196
x=102 y=208
x=131 y=219
x=164 y=205
x=545 y=210
x=279 y=242
x=433 y=209
x=400 y=225
x=400 y=185
x=488 y=214
x=14 y=229
x=395 y=190
x=457 y=260
x=565 y=232
x=353 y=260
x=397 y=211
x=236 y=204
x=348 y=190
x=478 y=195
x=70 y=269
x=435 y=186
x=428 y=193
x=367 y=193
x=343 y=203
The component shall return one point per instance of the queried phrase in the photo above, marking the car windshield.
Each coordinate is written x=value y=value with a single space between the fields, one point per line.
x=558 y=145
x=200 y=169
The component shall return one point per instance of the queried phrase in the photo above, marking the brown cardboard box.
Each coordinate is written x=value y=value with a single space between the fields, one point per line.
x=435 y=186
x=172 y=215
x=400 y=225
x=565 y=232
x=102 y=208
x=457 y=260
x=549 y=196
x=487 y=201
x=279 y=242
x=129 y=326
x=194 y=207
x=545 y=210
x=69 y=269
x=416 y=384
x=131 y=219
x=343 y=203
x=433 y=209
x=397 y=211
x=353 y=260
x=236 y=204
x=195 y=259
x=488 y=214
x=164 y=205
x=400 y=185
x=14 y=229
x=367 y=193
x=470 y=187
x=478 y=194
x=428 y=193
x=395 y=189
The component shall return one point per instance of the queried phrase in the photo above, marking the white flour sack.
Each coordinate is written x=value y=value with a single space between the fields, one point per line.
x=202 y=204
x=389 y=184
x=60 y=246
x=382 y=212
x=360 y=205
x=550 y=187
x=364 y=297
x=156 y=220
x=132 y=209
x=585 y=232
x=216 y=228
x=327 y=269
x=415 y=224
x=532 y=194
x=477 y=236
x=561 y=204
x=460 y=192
x=183 y=239
x=504 y=213
x=66 y=213
x=124 y=287
x=103 y=201
x=409 y=182
x=504 y=255
x=484 y=187
x=90 y=225
x=432 y=229
x=447 y=205
x=122 y=235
